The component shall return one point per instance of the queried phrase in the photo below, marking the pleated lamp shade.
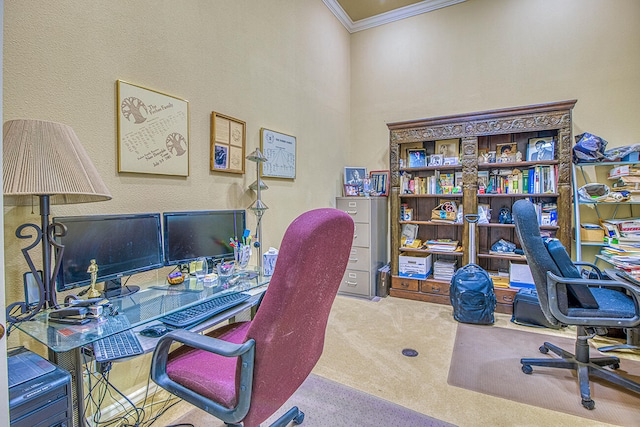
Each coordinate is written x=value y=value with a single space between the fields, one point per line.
x=46 y=158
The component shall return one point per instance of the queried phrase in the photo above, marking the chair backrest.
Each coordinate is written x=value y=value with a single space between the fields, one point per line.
x=289 y=327
x=538 y=258
x=548 y=255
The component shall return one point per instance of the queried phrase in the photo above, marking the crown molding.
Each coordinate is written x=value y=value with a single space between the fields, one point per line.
x=387 y=17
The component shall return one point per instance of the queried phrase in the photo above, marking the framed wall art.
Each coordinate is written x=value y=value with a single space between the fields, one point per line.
x=153 y=131
x=280 y=151
x=228 y=140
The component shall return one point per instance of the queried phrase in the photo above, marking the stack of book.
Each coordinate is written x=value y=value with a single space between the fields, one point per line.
x=444 y=269
x=626 y=257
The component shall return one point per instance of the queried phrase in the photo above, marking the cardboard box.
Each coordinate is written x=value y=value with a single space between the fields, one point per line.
x=414 y=267
x=520 y=276
x=591 y=234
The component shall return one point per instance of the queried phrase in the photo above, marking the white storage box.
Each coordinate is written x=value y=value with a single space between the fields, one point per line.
x=414 y=267
x=520 y=276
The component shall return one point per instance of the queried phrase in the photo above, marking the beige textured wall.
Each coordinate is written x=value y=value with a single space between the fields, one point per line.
x=281 y=65
x=486 y=54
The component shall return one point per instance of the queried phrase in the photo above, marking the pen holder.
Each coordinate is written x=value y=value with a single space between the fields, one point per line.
x=242 y=254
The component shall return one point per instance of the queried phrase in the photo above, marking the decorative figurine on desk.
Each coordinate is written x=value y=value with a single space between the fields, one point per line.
x=93 y=269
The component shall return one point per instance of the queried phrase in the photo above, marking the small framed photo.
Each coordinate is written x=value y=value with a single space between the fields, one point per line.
x=436 y=160
x=417 y=157
x=351 y=190
x=506 y=153
x=355 y=176
x=483 y=180
x=540 y=149
x=450 y=161
x=380 y=182
x=448 y=148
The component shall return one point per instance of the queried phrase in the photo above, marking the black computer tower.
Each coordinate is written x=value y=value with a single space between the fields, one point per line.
x=39 y=392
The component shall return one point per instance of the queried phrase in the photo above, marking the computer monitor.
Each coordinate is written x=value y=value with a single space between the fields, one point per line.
x=122 y=245
x=195 y=234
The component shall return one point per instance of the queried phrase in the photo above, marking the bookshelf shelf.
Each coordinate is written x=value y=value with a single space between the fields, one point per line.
x=588 y=173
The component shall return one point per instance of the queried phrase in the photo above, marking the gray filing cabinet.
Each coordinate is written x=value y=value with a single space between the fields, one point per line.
x=369 y=250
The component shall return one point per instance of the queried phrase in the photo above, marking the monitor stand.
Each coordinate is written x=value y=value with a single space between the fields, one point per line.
x=114 y=289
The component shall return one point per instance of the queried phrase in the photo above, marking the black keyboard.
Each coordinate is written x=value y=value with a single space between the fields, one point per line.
x=203 y=311
x=117 y=346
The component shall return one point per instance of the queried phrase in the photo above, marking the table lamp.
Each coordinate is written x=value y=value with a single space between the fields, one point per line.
x=258 y=207
x=45 y=161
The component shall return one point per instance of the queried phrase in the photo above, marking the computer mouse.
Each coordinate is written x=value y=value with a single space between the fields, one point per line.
x=155 y=331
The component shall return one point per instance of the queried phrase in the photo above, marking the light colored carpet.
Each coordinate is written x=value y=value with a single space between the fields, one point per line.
x=328 y=403
x=487 y=360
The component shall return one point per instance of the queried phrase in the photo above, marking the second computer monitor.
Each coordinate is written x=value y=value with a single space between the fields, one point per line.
x=195 y=234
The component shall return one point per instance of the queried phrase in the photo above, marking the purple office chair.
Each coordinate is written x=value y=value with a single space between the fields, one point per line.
x=244 y=372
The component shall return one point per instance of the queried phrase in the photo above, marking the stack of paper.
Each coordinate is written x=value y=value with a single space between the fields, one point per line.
x=442 y=245
x=444 y=269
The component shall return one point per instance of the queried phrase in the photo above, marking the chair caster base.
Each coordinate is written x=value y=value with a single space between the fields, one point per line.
x=294 y=414
x=299 y=419
x=589 y=404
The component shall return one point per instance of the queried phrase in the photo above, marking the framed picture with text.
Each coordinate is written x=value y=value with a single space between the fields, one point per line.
x=280 y=151
x=153 y=131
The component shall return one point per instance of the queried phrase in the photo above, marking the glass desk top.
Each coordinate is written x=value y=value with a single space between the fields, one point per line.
x=153 y=301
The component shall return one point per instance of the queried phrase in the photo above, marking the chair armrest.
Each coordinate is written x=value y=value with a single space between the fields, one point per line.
x=613 y=322
x=246 y=352
x=592 y=266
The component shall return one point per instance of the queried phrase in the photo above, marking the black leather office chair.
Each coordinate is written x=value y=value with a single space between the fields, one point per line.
x=566 y=298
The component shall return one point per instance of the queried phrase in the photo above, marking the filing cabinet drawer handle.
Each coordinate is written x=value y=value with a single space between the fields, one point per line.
x=435 y=289
x=352 y=283
x=353 y=259
x=507 y=298
x=355 y=212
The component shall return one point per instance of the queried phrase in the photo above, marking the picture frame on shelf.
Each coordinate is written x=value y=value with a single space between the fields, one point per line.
x=351 y=190
x=417 y=157
x=380 y=182
x=355 y=176
x=448 y=148
x=540 y=149
x=506 y=153
x=450 y=161
x=436 y=160
x=483 y=180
